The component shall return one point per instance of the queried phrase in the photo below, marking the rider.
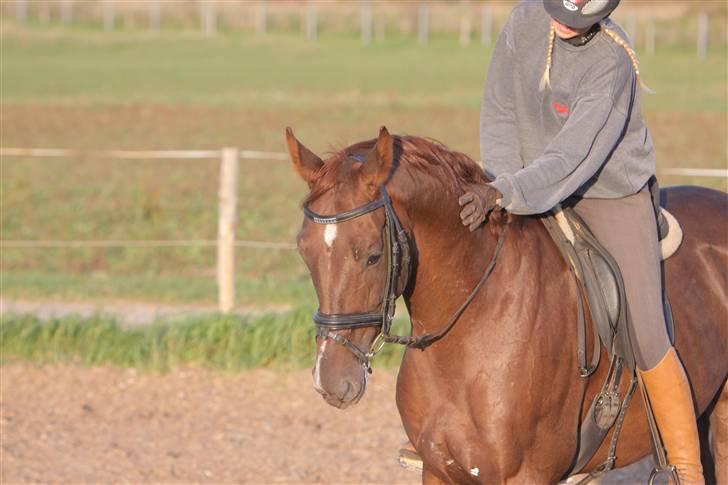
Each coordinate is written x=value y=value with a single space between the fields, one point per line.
x=561 y=117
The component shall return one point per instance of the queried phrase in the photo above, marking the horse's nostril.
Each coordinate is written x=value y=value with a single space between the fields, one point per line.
x=346 y=391
x=342 y=391
x=350 y=392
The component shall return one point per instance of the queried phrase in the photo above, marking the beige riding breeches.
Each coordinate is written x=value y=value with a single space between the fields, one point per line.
x=627 y=228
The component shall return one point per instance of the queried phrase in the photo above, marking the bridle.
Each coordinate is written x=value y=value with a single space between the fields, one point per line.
x=399 y=257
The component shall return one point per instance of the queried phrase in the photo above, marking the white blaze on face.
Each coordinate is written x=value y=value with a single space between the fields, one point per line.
x=317 y=367
x=330 y=234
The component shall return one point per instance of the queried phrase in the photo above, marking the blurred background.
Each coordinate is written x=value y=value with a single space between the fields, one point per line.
x=149 y=209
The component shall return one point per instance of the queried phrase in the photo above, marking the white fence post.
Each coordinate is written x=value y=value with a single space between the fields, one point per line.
x=465 y=25
x=109 y=15
x=154 y=16
x=486 y=25
x=21 y=10
x=703 y=37
x=208 y=18
x=423 y=22
x=311 y=21
x=67 y=12
x=261 y=19
x=227 y=220
x=366 y=22
x=44 y=13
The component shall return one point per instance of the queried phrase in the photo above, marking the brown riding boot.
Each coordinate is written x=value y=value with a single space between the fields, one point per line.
x=672 y=404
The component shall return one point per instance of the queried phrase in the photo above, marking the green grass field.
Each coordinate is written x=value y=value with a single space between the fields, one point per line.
x=283 y=341
x=90 y=90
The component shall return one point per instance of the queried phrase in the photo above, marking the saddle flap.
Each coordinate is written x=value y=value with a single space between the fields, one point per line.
x=607 y=284
x=595 y=268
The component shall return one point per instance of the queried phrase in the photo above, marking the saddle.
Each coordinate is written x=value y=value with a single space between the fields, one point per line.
x=600 y=282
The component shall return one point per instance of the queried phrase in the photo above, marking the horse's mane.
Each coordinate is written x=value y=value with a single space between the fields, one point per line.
x=452 y=168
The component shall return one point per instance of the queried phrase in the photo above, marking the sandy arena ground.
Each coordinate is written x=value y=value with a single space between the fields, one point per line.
x=66 y=424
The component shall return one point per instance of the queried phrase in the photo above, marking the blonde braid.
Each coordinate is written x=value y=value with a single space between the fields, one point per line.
x=546 y=79
x=630 y=52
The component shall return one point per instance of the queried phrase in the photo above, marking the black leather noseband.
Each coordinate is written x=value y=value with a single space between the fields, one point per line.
x=347 y=320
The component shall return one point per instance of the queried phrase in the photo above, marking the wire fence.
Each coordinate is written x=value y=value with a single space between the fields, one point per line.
x=225 y=243
x=139 y=154
x=227 y=206
x=651 y=24
x=138 y=243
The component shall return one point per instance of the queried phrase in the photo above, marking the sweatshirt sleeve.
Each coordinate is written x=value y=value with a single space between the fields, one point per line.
x=499 y=144
x=595 y=126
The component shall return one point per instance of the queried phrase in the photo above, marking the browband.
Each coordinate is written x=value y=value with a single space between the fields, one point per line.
x=348 y=215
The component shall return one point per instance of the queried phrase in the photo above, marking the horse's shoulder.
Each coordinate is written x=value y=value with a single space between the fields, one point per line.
x=535 y=245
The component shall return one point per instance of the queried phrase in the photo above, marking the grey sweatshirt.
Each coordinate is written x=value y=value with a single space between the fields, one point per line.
x=584 y=135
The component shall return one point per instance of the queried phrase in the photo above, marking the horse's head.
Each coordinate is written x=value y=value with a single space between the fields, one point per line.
x=347 y=256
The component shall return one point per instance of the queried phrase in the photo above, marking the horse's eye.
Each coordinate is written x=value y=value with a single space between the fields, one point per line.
x=373 y=259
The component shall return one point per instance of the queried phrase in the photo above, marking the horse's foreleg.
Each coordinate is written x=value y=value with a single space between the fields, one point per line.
x=429 y=478
x=532 y=479
x=719 y=432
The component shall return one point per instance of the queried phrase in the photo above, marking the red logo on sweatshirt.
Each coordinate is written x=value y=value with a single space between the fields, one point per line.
x=560 y=108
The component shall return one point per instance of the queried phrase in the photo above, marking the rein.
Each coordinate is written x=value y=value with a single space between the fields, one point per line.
x=426 y=339
x=398 y=274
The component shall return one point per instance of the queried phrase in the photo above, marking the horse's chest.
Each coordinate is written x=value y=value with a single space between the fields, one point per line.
x=445 y=437
x=458 y=424
x=449 y=448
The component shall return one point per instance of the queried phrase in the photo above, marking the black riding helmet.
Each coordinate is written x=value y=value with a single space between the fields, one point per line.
x=579 y=14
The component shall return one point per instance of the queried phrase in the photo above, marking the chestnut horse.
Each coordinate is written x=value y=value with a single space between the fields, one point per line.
x=498 y=398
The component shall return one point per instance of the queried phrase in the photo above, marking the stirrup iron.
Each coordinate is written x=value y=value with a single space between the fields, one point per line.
x=660 y=469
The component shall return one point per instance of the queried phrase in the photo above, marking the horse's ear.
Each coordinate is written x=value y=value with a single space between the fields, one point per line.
x=306 y=163
x=379 y=160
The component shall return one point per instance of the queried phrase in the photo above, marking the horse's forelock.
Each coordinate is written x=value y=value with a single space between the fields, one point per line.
x=331 y=172
x=452 y=168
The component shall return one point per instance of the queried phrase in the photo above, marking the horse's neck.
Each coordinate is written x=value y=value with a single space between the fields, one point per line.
x=450 y=261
